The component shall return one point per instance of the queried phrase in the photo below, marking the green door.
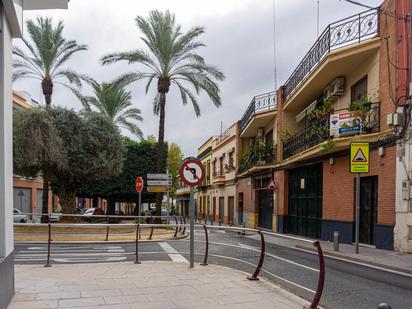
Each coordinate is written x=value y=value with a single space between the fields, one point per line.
x=305 y=201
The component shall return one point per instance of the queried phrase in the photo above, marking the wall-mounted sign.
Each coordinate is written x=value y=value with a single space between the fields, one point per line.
x=359 y=157
x=345 y=124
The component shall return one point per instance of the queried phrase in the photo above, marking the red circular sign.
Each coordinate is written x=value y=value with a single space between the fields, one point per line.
x=139 y=184
x=192 y=172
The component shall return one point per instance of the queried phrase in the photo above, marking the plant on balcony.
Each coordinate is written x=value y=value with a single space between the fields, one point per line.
x=362 y=109
x=285 y=135
x=319 y=119
x=327 y=145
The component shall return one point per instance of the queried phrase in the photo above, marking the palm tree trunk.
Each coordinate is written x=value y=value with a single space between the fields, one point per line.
x=160 y=143
x=47 y=87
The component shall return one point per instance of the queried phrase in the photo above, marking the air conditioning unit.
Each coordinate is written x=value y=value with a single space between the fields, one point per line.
x=334 y=89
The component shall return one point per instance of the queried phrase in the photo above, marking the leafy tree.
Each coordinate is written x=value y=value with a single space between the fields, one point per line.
x=115 y=103
x=121 y=188
x=67 y=147
x=46 y=55
x=170 y=58
x=175 y=158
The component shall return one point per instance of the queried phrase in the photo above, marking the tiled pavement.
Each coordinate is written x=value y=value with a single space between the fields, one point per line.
x=148 y=285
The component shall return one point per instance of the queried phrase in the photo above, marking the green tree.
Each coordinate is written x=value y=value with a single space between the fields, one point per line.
x=170 y=58
x=175 y=158
x=46 y=56
x=121 y=188
x=115 y=103
x=67 y=147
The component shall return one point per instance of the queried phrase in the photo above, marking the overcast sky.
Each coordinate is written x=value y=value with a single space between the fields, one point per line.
x=239 y=39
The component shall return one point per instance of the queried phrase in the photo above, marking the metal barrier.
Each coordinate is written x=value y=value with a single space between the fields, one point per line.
x=241 y=230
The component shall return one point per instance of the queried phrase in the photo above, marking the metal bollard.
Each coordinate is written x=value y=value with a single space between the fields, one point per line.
x=136 y=261
x=107 y=229
x=206 y=248
x=48 y=245
x=336 y=241
x=254 y=276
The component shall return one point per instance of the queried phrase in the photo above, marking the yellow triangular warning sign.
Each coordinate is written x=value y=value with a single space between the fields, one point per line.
x=359 y=156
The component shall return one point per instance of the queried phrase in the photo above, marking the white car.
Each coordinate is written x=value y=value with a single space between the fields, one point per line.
x=18 y=216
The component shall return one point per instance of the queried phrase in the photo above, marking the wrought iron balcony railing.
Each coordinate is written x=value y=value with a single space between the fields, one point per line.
x=258 y=155
x=345 y=32
x=319 y=132
x=260 y=103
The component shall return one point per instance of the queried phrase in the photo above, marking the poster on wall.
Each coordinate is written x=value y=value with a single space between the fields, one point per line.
x=345 y=124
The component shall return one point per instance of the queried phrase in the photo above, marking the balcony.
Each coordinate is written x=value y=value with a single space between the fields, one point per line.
x=258 y=156
x=362 y=120
x=219 y=178
x=344 y=33
x=258 y=108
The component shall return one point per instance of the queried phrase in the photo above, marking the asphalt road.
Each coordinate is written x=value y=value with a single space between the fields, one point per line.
x=347 y=285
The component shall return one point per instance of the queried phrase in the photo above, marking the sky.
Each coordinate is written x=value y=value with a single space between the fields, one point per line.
x=239 y=40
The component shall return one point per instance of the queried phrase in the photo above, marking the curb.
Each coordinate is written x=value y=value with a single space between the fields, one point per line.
x=351 y=259
x=22 y=242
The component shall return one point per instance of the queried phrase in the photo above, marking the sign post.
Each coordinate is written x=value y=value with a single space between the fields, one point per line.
x=359 y=163
x=139 y=188
x=192 y=173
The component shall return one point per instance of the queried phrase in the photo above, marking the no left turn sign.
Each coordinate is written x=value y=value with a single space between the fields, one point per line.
x=191 y=172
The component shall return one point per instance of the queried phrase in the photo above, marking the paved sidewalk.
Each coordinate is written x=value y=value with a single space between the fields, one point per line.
x=392 y=260
x=148 y=285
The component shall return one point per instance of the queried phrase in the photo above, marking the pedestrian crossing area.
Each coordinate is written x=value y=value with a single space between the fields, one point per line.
x=71 y=254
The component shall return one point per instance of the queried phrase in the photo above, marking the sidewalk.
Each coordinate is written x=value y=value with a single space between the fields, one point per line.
x=148 y=285
x=392 y=260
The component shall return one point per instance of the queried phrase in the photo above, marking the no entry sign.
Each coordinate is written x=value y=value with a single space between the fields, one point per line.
x=191 y=172
x=139 y=184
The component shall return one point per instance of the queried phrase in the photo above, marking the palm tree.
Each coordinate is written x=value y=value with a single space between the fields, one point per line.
x=44 y=61
x=170 y=58
x=47 y=54
x=115 y=103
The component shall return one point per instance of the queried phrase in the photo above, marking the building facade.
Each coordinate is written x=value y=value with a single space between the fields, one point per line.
x=257 y=159
x=341 y=92
x=225 y=161
x=204 y=190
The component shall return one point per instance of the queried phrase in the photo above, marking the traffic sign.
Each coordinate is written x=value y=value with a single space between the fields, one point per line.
x=159 y=176
x=159 y=183
x=191 y=171
x=157 y=189
x=139 y=184
x=359 y=157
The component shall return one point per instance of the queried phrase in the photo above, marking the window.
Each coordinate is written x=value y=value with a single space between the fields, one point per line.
x=221 y=165
x=359 y=90
x=269 y=138
x=214 y=167
x=231 y=159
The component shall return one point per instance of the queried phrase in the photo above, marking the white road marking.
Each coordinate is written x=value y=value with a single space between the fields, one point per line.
x=76 y=260
x=278 y=257
x=172 y=253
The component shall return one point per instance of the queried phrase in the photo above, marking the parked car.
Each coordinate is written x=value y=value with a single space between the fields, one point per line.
x=89 y=213
x=18 y=216
x=55 y=216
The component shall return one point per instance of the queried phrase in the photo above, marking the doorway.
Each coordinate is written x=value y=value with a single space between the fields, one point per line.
x=231 y=208
x=368 y=207
x=265 y=198
x=221 y=209
x=240 y=209
x=214 y=209
x=305 y=201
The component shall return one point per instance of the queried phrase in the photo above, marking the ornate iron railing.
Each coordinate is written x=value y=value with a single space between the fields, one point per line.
x=345 y=32
x=258 y=155
x=259 y=103
x=319 y=132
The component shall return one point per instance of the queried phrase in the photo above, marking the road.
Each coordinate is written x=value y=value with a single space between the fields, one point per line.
x=347 y=285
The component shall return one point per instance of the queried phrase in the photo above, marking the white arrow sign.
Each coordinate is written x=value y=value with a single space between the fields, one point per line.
x=159 y=176
x=159 y=182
